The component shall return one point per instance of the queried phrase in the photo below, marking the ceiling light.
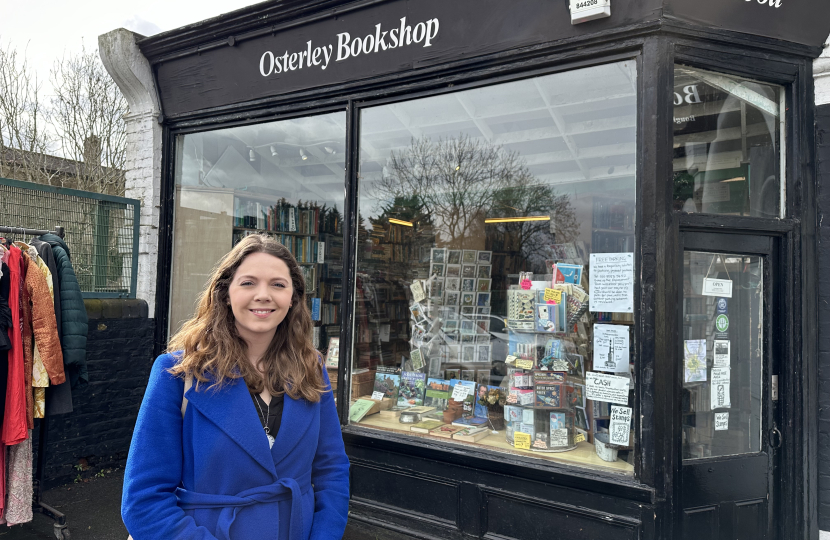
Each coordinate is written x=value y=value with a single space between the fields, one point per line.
x=400 y=222
x=251 y=154
x=274 y=151
x=738 y=179
x=458 y=168
x=517 y=219
x=303 y=154
x=329 y=149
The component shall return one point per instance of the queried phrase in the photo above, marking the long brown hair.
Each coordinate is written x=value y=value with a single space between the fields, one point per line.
x=209 y=345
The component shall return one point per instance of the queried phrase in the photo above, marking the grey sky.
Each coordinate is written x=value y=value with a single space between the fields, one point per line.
x=47 y=29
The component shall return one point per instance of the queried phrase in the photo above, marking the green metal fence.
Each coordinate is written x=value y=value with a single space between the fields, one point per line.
x=101 y=231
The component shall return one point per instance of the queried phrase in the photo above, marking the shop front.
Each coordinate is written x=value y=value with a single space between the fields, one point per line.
x=559 y=261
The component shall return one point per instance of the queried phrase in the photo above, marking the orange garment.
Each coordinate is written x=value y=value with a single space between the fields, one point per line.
x=39 y=327
x=15 y=426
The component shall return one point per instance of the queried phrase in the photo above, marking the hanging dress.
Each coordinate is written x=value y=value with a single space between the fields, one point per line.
x=15 y=426
x=40 y=377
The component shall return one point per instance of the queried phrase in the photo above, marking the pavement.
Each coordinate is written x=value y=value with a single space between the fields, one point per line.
x=93 y=512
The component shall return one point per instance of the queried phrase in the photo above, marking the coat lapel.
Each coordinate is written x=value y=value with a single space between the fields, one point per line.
x=232 y=410
x=297 y=416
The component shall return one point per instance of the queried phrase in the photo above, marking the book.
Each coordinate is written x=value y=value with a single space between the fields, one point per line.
x=420 y=409
x=425 y=426
x=549 y=389
x=472 y=434
x=361 y=408
x=471 y=421
x=437 y=393
x=387 y=380
x=411 y=390
x=446 y=431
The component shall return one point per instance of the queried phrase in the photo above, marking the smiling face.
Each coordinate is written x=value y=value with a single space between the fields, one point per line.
x=260 y=294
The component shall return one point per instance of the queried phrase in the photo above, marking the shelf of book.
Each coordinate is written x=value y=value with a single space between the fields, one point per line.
x=584 y=453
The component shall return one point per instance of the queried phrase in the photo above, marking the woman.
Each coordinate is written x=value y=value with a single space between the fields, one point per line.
x=257 y=452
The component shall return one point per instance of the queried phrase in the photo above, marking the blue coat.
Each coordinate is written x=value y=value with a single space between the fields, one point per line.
x=213 y=476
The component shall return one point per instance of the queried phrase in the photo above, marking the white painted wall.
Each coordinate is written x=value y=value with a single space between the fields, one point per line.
x=821 y=71
x=132 y=73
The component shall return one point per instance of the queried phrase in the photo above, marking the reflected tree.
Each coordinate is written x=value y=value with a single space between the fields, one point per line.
x=459 y=182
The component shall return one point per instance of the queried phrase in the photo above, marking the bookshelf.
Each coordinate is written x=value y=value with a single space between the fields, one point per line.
x=612 y=228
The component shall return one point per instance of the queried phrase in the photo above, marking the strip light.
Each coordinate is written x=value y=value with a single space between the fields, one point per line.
x=400 y=222
x=517 y=219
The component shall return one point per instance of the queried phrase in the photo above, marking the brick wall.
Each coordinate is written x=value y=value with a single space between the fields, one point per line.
x=119 y=357
x=823 y=174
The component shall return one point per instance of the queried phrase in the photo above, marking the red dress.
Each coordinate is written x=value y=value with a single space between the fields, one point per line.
x=15 y=423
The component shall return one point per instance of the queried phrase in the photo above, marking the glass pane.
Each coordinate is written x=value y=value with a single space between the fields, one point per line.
x=727 y=144
x=722 y=354
x=459 y=194
x=285 y=179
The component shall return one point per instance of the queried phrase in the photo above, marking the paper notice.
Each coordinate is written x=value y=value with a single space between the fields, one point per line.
x=417 y=291
x=377 y=396
x=604 y=387
x=612 y=282
x=558 y=437
x=510 y=359
x=694 y=360
x=720 y=390
x=611 y=348
x=620 y=428
x=460 y=392
x=721 y=421
x=721 y=353
x=384 y=332
x=521 y=440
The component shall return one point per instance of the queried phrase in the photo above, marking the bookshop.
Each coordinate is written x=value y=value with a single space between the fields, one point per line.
x=558 y=256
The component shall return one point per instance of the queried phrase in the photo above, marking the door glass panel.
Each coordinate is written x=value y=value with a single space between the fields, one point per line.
x=722 y=354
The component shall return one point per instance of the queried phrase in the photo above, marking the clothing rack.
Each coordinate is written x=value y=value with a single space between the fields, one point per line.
x=60 y=529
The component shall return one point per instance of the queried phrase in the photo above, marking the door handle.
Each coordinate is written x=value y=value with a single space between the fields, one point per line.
x=775 y=438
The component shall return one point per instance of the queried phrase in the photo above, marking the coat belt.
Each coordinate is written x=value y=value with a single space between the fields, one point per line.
x=281 y=490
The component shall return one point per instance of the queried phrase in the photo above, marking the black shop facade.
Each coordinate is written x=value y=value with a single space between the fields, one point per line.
x=558 y=256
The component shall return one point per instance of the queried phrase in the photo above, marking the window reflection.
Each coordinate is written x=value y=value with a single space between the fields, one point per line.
x=285 y=179
x=727 y=137
x=459 y=194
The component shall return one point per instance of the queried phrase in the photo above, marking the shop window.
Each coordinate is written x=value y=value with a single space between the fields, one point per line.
x=285 y=179
x=728 y=140
x=495 y=268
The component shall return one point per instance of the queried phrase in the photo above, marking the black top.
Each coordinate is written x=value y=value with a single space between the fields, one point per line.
x=273 y=413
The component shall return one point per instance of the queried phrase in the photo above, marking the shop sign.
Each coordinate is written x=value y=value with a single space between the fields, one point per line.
x=717 y=287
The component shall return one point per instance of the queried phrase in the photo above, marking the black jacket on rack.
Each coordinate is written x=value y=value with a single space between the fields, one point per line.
x=73 y=329
x=58 y=398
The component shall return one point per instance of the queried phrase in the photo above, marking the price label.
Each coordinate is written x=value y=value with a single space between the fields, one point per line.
x=553 y=296
x=377 y=396
x=521 y=441
x=526 y=284
x=524 y=364
x=460 y=392
x=579 y=437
